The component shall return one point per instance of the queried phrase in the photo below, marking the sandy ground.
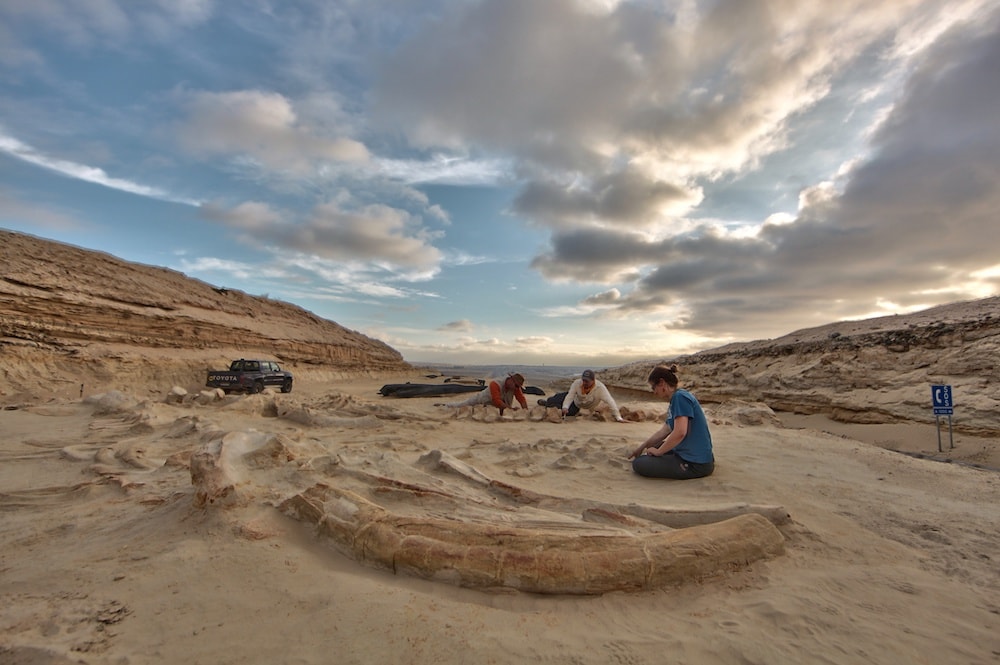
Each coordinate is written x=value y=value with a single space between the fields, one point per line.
x=106 y=559
x=937 y=441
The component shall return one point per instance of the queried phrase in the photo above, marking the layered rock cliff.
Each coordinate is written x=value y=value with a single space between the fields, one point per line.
x=69 y=315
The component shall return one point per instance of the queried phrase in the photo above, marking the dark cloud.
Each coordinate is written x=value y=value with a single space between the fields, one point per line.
x=627 y=197
x=596 y=255
x=463 y=325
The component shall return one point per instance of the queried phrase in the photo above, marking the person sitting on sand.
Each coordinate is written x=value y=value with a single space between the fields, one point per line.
x=500 y=396
x=587 y=393
x=682 y=448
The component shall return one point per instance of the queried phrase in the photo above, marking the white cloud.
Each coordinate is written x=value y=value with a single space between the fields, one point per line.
x=262 y=126
x=385 y=237
x=16 y=148
x=442 y=169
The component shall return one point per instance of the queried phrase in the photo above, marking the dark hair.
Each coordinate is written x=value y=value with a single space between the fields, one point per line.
x=668 y=374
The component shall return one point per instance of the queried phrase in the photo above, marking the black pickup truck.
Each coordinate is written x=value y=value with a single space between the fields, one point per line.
x=250 y=376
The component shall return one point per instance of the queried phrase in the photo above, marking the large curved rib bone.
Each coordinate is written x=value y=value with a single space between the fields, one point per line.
x=588 y=560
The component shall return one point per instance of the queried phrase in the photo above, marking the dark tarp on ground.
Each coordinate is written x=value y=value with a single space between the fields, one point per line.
x=438 y=389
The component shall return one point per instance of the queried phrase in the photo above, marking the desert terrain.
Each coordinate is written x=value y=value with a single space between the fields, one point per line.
x=147 y=519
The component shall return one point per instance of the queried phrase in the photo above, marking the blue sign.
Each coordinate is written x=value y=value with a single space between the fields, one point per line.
x=941 y=400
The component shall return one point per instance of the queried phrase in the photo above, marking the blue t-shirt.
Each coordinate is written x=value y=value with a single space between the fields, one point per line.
x=697 y=445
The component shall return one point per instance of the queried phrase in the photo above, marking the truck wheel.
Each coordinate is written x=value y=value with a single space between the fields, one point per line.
x=258 y=387
x=286 y=387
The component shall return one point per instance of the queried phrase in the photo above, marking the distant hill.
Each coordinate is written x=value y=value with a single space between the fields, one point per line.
x=69 y=316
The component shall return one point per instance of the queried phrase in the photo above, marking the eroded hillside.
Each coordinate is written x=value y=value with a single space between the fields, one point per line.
x=69 y=315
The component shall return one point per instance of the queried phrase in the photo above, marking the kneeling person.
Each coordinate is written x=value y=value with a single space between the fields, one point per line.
x=585 y=393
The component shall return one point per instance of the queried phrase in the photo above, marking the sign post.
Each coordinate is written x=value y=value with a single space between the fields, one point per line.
x=941 y=400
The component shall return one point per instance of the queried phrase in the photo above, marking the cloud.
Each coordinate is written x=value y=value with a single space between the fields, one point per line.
x=439 y=168
x=265 y=127
x=597 y=255
x=16 y=148
x=303 y=278
x=534 y=341
x=376 y=234
x=609 y=297
x=101 y=24
x=918 y=217
x=462 y=326
x=613 y=116
x=78 y=24
x=691 y=101
x=628 y=197
x=240 y=270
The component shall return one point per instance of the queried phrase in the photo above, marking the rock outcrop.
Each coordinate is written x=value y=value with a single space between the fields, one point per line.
x=870 y=371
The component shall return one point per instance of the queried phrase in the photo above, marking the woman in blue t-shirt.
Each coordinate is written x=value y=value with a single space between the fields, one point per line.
x=682 y=448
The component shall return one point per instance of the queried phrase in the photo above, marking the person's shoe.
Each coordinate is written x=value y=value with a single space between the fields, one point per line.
x=542 y=402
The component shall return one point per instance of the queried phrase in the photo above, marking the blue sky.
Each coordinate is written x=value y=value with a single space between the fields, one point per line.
x=564 y=182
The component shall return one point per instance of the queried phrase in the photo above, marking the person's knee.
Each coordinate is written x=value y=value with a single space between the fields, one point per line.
x=645 y=466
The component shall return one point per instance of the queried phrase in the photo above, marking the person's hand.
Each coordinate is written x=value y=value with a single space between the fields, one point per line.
x=637 y=451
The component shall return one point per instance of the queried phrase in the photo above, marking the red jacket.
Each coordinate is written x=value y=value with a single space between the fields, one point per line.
x=502 y=398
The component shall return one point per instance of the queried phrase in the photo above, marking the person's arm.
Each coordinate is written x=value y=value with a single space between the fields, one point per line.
x=658 y=438
x=496 y=397
x=676 y=435
x=519 y=396
x=605 y=395
x=574 y=388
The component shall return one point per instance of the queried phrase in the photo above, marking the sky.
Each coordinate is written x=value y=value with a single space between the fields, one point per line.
x=560 y=182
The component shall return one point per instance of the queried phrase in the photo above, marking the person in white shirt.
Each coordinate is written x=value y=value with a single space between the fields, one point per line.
x=585 y=393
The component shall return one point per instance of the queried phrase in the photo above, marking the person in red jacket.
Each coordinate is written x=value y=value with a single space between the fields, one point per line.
x=501 y=395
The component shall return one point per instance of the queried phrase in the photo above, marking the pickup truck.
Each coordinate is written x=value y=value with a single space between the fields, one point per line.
x=250 y=376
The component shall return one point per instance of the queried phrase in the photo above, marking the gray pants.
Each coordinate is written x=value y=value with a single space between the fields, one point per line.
x=482 y=397
x=670 y=466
